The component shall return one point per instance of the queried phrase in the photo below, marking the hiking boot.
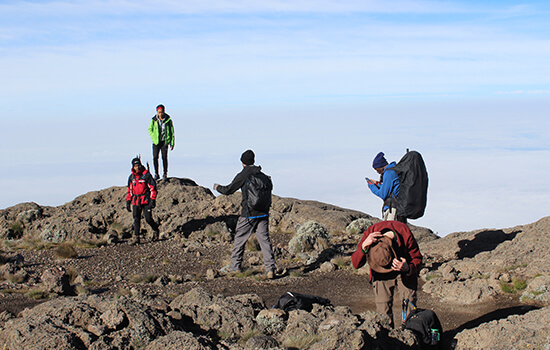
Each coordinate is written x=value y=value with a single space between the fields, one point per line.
x=165 y=176
x=270 y=275
x=135 y=240
x=157 y=176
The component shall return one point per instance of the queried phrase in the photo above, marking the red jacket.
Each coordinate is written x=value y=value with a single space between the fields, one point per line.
x=141 y=188
x=405 y=246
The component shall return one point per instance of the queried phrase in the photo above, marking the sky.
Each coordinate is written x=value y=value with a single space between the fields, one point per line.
x=315 y=88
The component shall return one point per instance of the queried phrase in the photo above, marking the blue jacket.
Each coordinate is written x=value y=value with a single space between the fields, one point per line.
x=389 y=185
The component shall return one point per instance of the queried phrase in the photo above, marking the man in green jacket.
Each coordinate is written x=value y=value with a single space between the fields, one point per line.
x=162 y=134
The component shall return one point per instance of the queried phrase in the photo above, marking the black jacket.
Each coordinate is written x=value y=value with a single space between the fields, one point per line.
x=240 y=182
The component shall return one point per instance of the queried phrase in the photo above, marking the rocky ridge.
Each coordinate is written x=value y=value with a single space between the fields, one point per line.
x=188 y=304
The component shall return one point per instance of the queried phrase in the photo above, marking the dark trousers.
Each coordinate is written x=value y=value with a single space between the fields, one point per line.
x=160 y=148
x=147 y=212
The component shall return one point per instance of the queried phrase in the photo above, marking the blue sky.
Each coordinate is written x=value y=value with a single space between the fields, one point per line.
x=316 y=88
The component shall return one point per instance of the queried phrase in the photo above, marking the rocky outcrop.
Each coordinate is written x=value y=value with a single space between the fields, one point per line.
x=195 y=320
x=183 y=208
x=473 y=267
x=528 y=331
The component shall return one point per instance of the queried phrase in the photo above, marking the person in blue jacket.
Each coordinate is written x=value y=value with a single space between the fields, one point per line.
x=387 y=188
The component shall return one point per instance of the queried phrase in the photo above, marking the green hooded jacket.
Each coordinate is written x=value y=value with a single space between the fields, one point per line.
x=169 y=135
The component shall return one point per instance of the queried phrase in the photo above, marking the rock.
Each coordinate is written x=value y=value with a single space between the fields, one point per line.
x=527 y=331
x=210 y=274
x=113 y=318
x=327 y=266
x=180 y=340
x=162 y=281
x=56 y=280
x=357 y=227
x=261 y=343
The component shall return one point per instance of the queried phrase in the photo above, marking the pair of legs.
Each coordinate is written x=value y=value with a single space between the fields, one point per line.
x=385 y=290
x=244 y=229
x=147 y=212
x=160 y=148
x=391 y=214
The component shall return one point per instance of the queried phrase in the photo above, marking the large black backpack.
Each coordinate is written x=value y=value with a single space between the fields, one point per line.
x=258 y=193
x=413 y=185
x=426 y=326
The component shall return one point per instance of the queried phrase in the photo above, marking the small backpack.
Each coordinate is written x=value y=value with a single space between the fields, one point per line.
x=413 y=186
x=258 y=193
x=296 y=301
x=426 y=326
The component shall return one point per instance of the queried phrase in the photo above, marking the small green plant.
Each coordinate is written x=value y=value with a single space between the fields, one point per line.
x=81 y=290
x=250 y=334
x=343 y=262
x=302 y=341
x=90 y=243
x=225 y=334
x=16 y=278
x=252 y=244
x=431 y=276
x=296 y=273
x=65 y=251
x=516 y=285
x=37 y=294
x=519 y=284
x=135 y=279
x=245 y=273
x=16 y=230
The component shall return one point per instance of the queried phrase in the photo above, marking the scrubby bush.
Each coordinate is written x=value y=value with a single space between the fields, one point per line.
x=359 y=226
x=310 y=236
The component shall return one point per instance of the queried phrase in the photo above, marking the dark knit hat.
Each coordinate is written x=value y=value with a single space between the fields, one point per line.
x=136 y=161
x=381 y=255
x=247 y=157
x=379 y=161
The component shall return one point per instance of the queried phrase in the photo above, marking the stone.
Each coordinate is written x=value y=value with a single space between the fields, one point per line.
x=56 y=280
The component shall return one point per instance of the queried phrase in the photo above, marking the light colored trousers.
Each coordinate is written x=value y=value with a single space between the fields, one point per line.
x=244 y=229
x=384 y=292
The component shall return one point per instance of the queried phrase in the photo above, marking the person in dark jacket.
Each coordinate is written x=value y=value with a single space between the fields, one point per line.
x=387 y=188
x=141 y=197
x=161 y=130
x=394 y=259
x=249 y=222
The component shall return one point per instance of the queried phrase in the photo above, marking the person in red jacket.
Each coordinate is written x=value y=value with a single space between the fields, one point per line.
x=394 y=259
x=141 y=197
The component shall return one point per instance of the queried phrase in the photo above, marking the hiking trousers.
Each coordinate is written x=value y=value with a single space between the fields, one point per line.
x=244 y=229
x=384 y=291
x=147 y=212
x=391 y=214
x=160 y=148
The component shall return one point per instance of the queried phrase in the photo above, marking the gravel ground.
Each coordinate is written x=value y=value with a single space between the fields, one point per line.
x=119 y=268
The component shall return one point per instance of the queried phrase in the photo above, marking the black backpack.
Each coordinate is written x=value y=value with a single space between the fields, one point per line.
x=258 y=193
x=413 y=185
x=426 y=326
x=296 y=301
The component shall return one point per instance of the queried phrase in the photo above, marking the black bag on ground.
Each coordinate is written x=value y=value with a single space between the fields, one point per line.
x=296 y=301
x=413 y=185
x=258 y=189
x=426 y=326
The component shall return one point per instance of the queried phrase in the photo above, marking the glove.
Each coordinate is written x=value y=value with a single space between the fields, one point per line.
x=152 y=204
x=129 y=206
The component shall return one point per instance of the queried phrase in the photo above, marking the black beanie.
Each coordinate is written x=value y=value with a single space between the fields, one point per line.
x=136 y=161
x=248 y=157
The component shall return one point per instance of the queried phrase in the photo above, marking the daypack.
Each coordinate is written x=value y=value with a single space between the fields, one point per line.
x=258 y=189
x=413 y=186
x=296 y=301
x=426 y=326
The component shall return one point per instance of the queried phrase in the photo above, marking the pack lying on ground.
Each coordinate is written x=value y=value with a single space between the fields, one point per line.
x=258 y=192
x=296 y=301
x=413 y=186
x=426 y=326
